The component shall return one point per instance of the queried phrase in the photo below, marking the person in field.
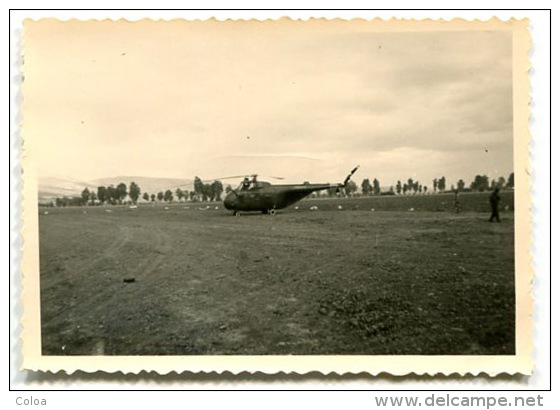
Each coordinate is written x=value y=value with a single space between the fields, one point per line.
x=456 y=201
x=494 y=203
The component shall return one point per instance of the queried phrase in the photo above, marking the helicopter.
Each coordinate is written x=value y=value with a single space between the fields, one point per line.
x=254 y=195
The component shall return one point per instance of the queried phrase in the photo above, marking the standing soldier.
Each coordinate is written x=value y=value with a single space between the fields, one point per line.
x=456 y=201
x=494 y=202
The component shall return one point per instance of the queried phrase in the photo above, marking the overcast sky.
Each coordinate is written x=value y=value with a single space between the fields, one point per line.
x=306 y=101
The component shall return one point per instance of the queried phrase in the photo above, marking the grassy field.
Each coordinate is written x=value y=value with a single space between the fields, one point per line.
x=468 y=202
x=301 y=282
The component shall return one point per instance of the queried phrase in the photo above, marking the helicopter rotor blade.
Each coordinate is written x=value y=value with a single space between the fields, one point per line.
x=242 y=176
x=186 y=184
x=229 y=177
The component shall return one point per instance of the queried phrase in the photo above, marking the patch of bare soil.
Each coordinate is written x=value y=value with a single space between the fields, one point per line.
x=179 y=282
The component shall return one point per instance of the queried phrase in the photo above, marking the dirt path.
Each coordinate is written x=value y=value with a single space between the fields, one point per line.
x=97 y=279
x=298 y=283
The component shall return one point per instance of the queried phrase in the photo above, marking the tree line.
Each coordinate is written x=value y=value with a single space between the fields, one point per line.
x=480 y=183
x=113 y=195
x=123 y=194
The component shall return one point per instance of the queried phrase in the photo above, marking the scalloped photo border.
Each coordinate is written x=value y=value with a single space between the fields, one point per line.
x=520 y=363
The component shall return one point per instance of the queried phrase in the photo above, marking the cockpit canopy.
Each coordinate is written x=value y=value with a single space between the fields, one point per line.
x=250 y=184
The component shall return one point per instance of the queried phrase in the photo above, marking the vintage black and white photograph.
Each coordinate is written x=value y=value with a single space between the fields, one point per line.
x=278 y=188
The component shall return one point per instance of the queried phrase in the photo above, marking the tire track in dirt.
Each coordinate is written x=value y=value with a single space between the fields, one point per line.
x=145 y=267
x=94 y=303
x=87 y=263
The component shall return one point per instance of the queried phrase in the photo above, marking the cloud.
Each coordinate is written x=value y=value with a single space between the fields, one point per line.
x=183 y=94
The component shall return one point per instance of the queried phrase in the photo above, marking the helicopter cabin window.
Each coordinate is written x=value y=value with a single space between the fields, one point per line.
x=249 y=185
x=244 y=185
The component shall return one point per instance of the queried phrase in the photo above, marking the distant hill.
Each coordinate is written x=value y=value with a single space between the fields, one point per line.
x=147 y=184
x=53 y=187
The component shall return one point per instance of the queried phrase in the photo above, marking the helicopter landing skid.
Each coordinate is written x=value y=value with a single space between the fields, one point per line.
x=264 y=211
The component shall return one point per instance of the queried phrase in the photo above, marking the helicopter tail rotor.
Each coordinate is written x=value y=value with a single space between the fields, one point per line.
x=350 y=176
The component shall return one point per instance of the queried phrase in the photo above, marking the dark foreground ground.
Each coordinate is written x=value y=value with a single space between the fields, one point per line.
x=300 y=282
